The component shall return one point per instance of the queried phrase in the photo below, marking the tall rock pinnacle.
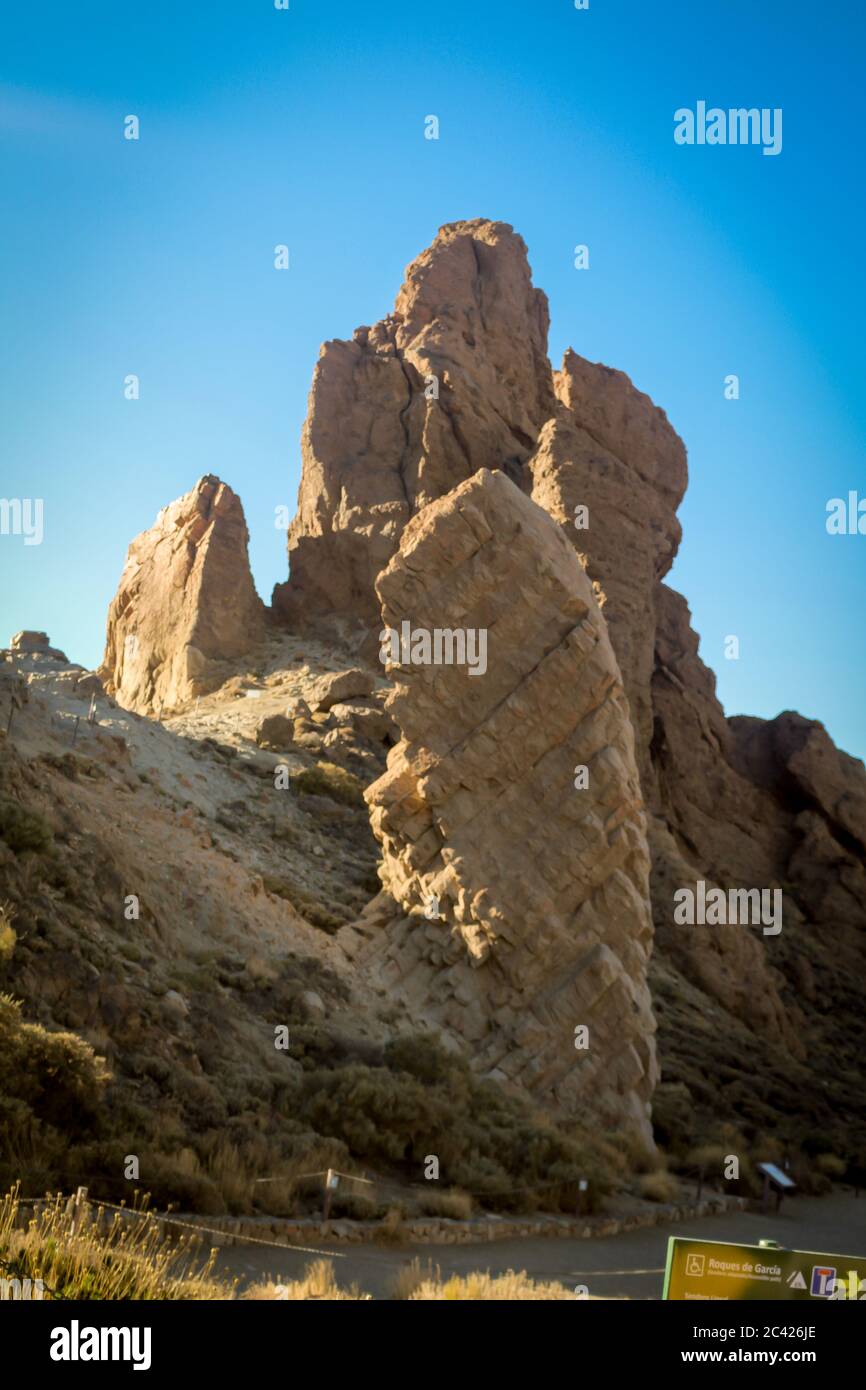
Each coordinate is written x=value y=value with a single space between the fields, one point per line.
x=542 y=926
x=186 y=602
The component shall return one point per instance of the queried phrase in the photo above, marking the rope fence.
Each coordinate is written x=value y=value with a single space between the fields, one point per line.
x=145 y=1214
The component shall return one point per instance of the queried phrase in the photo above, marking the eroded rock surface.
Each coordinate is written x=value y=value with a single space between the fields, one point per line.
x=541 y=888
x=186 y=603
x=34 y=644
x=609 y=468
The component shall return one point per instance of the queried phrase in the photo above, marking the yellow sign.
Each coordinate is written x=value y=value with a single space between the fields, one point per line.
x=710 y=1271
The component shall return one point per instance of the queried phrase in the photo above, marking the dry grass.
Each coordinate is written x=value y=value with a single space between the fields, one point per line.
x=391 y=1230
x=487 y=1288
x=659 y=1187
x=125 y=1256
x=318 y=1283
x=455 y=1204
x=412 y=1277
x=103 y=1257
x=414 y=1283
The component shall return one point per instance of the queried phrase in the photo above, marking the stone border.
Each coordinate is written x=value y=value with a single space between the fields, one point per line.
x=435 y=1230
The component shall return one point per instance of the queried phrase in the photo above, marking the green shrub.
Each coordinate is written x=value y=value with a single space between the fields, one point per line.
x=326 y=779
x=425 y=1100
x=57 y=1075
x=23 y=830
x=831 y=1166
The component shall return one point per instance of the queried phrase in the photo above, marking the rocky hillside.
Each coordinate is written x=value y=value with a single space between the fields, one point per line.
x=453 y=881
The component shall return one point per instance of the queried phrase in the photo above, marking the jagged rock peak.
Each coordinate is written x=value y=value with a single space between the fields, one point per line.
x=456 y=379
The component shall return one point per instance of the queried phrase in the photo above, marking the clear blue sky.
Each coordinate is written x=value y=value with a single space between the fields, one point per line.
x=261 y=126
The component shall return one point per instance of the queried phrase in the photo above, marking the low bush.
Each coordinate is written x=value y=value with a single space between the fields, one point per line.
x=326 y=779
x=424 y=1101
x=452 y=1204
x=24 y=830
x=659 y=1186
x=58 y=1076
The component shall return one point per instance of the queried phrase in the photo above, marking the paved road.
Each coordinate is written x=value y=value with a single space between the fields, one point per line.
x=624 y=1266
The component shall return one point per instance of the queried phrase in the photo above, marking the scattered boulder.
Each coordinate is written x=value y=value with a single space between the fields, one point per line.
x=371 y=720
x=276 y=732
x=338 y=686
x=314 y=1002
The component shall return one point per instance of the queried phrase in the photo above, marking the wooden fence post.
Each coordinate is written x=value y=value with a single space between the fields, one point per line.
x=75 y=1208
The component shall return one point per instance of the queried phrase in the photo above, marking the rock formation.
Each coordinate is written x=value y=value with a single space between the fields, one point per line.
x=609 y=450
x=456 y=379
x=540 y=887
x=449 y=408
x=185 y=605
x=30 y=644
x=738 y=803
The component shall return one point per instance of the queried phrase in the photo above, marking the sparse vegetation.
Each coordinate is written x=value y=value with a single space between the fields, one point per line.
x=452 y=1204
x=50 y=1088
x=22 y=829
x=94 y=1254
x=8 y=935
x=318 y=1282
x=831 y=1166
x=486 y=1288
x=101 y=1256
x=326 y=779
x=425 y=1100
x=658 y=1186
